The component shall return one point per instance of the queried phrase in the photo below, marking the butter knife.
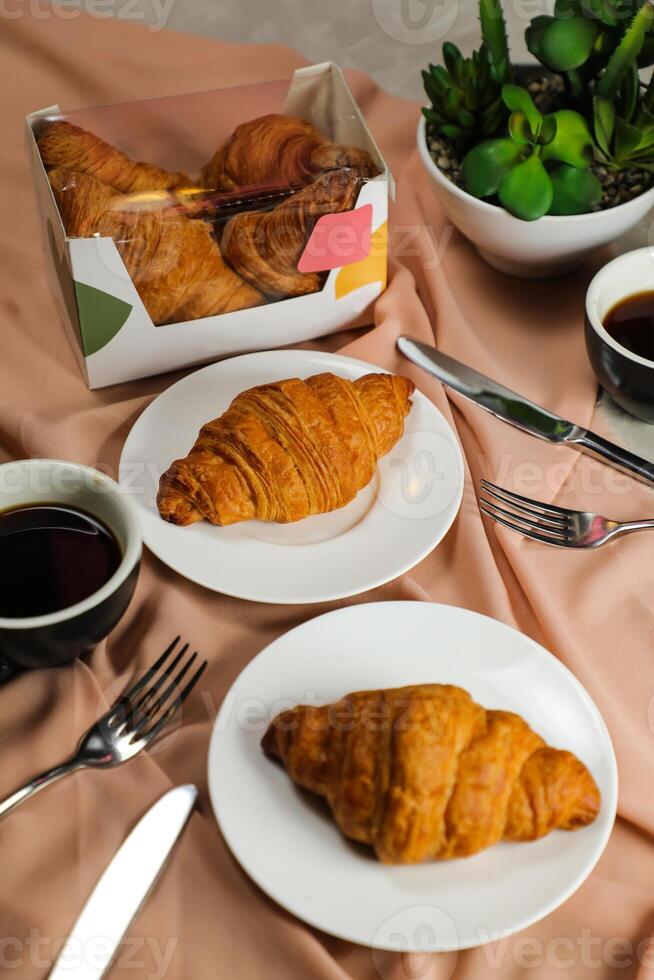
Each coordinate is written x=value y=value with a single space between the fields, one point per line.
x=123 y=888
x=520 y=411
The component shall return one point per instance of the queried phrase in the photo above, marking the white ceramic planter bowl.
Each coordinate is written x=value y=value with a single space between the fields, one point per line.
x=539 y=249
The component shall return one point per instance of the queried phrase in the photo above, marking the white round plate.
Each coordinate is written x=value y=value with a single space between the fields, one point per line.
x=290 y=846
x=391 y=525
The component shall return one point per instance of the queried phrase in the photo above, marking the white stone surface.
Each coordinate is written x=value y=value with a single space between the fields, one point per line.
x=390 y=39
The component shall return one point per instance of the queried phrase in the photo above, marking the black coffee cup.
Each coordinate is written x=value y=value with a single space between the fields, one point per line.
x=627 y=377
x=61 y=636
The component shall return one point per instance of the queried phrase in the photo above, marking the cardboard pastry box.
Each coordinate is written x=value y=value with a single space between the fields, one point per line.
x=110 y=330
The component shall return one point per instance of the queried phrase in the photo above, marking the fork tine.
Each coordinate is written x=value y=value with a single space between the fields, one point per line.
x=152 y=733
x=550 y=509
x=130 y=694
x=557 y=542
x=150 y=712
x=537 y=522
x=552 y=520
x=161 y=679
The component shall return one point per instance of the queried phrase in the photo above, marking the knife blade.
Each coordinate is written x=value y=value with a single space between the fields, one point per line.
x=123 y=888
x=521 y=412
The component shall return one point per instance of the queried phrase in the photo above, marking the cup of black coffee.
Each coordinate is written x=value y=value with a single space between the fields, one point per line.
x=70 y=551
x=620 y=330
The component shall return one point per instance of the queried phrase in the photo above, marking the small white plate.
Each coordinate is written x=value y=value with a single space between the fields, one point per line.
x=290 y=845
x=391 y=525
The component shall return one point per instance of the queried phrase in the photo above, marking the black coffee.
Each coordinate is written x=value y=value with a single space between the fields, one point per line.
x=631 y=323
x=52 y=557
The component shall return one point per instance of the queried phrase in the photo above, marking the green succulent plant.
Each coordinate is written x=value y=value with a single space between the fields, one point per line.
x=466 y=93
x=622 y=145
x=624 y=130
x=465 y=102
x=580 y=38
x=535 y=163
x=540 y=167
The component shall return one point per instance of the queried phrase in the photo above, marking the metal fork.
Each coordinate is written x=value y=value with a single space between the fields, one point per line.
x=549 y=524
x=129 y=726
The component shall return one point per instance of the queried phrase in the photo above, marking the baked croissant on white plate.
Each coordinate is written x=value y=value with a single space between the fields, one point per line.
x=286 y=450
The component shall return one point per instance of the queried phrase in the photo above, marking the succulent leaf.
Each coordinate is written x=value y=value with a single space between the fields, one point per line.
x=628 y=139
x=534 y=35
x=626 y=52
x=453 y=131
x=575 y=191
x=643 y=156
x=432 y=117
x=453 y=102
x=644 y=119
x=548 y=130
x=604 y=117
x=526 y=190
x=577 y=85
x=573 y=142
x=431 y=87
x=494 y=35
x=518 y=99
x=442 y=79
x=465 y=118
x=452 y=57
x=519 y=128
x=605 y=11
x=629 y=93
x=492 y=117
x=487 y=163
x=567 y=44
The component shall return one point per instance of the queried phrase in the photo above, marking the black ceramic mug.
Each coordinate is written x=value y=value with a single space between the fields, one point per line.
x=59 y=637
x=627 y=377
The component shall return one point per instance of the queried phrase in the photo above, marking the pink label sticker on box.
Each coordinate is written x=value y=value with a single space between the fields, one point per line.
x=338 y=240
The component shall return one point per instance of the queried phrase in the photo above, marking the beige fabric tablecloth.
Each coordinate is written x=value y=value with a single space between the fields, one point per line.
x=205 y=918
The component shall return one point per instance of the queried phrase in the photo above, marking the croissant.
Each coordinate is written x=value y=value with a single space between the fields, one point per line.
x=174 y=262
x=424 y=772
x=286 y=450
x=281 y=149
x=265 y=247
x=69 y=147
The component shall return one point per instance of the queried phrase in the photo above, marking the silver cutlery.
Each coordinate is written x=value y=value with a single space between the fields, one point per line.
x=559 y=526
x=133 y=722
x=123 y=888
x=520 y=411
